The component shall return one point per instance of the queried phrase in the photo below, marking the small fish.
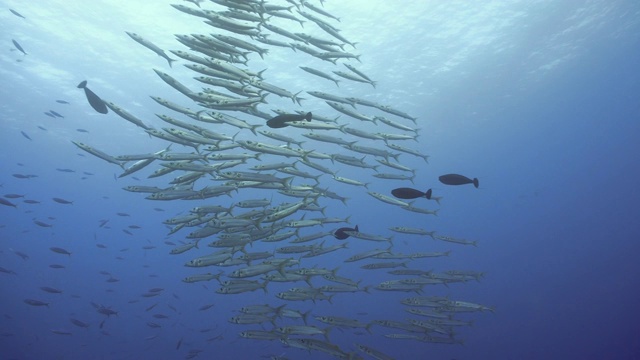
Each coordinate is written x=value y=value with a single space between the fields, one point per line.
x=79 y=323
x=82 y=130
x=62 y=102
x=409 y=193
x=42 y=224
x=25 y=135
x=51 y=290
x=281 y=121
x=36 y=302
x=341 y=234
x=455 y=179
x=56 y=114
x=60 y=251
x=15 y=43
x=94 y=100
x=62 y=201
x=49 y=114
x=17 y=13
x=7 y=202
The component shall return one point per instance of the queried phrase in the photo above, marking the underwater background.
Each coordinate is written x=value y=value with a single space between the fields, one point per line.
x=539 y=100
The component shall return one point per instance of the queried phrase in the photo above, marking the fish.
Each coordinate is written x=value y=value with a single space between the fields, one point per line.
x=62 y=201
x=281 y=121
x=340 y=234
x=94 y=100
x=7 y=203
x=455 y=179
x=56 y=114
x=409 y=193
x=62 y=101
x=15 y=43
x=25 y=135
x=33 y=302
x=151 y=46
x=17 y=13
x=51 y=290
x=60 y=251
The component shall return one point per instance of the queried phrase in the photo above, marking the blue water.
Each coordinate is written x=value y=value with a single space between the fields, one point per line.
x=538 y=100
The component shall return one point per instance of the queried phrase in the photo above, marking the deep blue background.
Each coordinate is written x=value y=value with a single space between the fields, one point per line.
x=539 y=101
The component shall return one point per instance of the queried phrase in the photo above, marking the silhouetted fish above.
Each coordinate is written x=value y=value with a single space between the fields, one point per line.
x=455 y=179
x=94 y=100
x=340 y=234
x=409 y=193
x=15 y=43
x=17 y=13
x=281 y=121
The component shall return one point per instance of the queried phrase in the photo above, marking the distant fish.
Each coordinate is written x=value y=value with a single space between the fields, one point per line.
x=42 y=224
x=56 y=114
x=33 y=302
x=79 y=323
x=19 y=47
x=94 y=100
x=49 y=114
x=455 y=179
x=17 y=13
x=51 y=290
x=281 y=121
x=7 y=202
x=60 y=251
x=62 y=201
x=409 y=193
x=341 y=234
x=82 y=130
x=14 y=196
x=62 y=101
x=25 y=135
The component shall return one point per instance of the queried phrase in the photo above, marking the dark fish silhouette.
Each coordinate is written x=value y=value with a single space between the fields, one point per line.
x=455 y=179
x=15 y=43
x=96 y=103
x=55 y=114
x=62 y=101
x=281 y=121
x=17 y=13
x=409 y=193
x=340 y=234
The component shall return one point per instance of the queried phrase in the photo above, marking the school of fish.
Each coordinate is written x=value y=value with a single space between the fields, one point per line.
x=231 y=144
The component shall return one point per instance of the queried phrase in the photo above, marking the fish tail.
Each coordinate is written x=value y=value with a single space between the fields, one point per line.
x=476 y=183
x=82 y=85
x=308 y=116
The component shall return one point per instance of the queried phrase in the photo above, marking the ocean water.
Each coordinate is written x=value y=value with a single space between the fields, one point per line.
x=539 y=100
